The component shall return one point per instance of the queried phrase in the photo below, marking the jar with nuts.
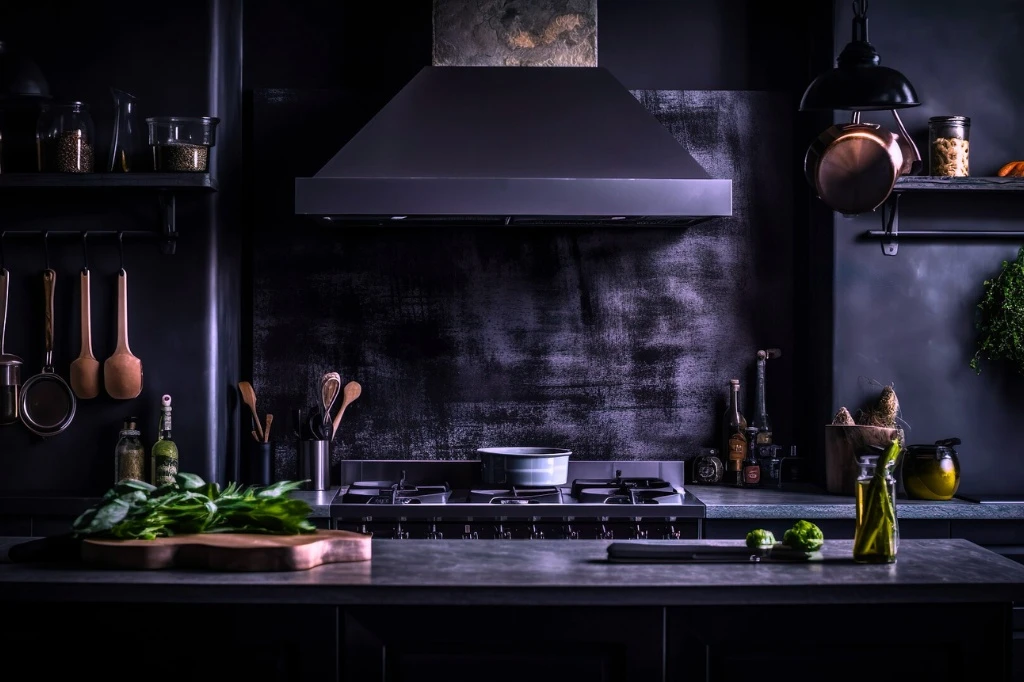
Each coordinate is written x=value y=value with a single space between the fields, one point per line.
x=949 y=145
x=67 y=139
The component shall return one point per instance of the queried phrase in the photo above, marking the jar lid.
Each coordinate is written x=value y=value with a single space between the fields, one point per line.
x=130 y=432
x=966 y=120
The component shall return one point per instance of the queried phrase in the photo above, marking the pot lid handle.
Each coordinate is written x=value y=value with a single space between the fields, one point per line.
x=948 y=442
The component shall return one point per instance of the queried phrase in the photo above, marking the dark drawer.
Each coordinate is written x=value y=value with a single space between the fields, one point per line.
x=989 y=532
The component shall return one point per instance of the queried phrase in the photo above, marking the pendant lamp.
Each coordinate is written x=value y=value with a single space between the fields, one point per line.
x=858 y=81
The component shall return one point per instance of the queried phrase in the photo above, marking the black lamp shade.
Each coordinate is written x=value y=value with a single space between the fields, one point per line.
x=858 y=82
x=863 y=88
x=20 y=77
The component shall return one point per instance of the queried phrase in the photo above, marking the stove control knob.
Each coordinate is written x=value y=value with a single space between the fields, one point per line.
x=400 y=534
x=434 y=533
x=536 y=534
x=501 y=534
x=468 y=534
x=639 y=533
x=605 y=534
x=364 y=530
x=673 y=534
x=571 y=534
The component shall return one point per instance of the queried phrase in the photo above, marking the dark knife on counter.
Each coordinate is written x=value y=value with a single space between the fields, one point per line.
x=642 y=552
x=64 y=547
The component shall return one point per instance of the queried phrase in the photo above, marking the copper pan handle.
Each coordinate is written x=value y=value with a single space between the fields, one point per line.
x=907 y=143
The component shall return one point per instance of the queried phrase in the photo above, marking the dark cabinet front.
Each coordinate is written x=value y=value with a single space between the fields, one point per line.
x=878 y=642
x=499 y=643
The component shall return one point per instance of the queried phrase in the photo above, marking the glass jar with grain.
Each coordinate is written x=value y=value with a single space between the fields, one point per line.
x=949 y=146
x=66 y=139
x=181 y=144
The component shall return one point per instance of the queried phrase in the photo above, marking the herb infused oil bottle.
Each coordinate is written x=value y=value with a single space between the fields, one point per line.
x=165 y=452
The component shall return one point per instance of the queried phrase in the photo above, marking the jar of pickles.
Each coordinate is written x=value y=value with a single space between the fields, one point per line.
x=877 y=535
x=949 y=146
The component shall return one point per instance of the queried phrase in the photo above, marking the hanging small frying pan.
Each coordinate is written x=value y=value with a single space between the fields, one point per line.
x=47 y=402
x=854 y=166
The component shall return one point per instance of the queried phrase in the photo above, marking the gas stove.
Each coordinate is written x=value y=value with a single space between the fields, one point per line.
x=442 y=500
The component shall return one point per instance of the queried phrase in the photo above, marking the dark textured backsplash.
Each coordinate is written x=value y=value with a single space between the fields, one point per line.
x=515 y=33
x=616 y=343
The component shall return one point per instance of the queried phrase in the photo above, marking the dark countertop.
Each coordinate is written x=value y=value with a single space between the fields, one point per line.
x=722 y=502
x=551 y=573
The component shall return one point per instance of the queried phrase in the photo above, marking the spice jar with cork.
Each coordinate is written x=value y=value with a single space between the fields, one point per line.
x=949 y=145
x=66 y=145
x=130 y=454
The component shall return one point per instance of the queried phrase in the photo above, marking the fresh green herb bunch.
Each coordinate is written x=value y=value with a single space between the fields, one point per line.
x=1001 y=317
x=140 y=511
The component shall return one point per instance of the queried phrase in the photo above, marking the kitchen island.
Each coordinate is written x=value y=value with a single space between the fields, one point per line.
x=452 y=607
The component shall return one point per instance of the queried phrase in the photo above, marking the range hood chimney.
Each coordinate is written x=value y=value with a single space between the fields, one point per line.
x=514 y=145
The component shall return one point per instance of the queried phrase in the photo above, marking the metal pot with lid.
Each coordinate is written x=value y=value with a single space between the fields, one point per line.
x=931 y=471
x=10 y=365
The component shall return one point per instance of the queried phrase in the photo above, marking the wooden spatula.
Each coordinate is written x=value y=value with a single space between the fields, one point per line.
x=122 y=372
x=249 y=398
x=85 y=370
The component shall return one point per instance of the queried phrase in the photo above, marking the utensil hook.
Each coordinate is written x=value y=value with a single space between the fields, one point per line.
x=85 y=251
x=120 y=249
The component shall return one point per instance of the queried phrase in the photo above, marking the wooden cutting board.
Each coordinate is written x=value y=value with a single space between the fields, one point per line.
x=231 y=551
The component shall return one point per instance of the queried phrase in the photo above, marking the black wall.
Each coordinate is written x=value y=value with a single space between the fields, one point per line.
x=615 y=343
x=183 y=309
x=909 y=319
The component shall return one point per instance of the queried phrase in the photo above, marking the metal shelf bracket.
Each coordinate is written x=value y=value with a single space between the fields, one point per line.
x=891 y=225
x=168 y=223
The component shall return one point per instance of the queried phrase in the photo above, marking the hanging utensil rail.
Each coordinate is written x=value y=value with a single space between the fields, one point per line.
x=130 y=235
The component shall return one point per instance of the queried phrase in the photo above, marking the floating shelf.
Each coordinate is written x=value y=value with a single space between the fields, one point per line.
x=165 y=185
x=924 y=183
x=176 y=182
x=890 y=210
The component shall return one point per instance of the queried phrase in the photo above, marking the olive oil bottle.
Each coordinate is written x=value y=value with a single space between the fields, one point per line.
x=164 y=455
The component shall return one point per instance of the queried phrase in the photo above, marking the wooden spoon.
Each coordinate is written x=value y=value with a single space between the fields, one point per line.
x=249 y=398
x=122 y=372
x=352 y=391
x=85 y=371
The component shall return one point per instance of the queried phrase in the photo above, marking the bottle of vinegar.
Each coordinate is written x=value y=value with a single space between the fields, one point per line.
x=165 y=453
x=735 y=436
x=761 y=421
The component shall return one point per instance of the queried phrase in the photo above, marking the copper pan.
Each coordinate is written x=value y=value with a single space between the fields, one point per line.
x=854 y=166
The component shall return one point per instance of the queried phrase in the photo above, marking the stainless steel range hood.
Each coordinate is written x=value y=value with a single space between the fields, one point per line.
x=514 y=145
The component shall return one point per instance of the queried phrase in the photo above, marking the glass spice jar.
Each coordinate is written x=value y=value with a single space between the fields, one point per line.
x=949 y=146
x=877 y=535
x=67 y=144
x=129 y=454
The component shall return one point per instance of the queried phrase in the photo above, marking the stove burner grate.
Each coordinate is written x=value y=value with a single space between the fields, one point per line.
x=392 y=492
x=546 y=495
x=621 y=490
